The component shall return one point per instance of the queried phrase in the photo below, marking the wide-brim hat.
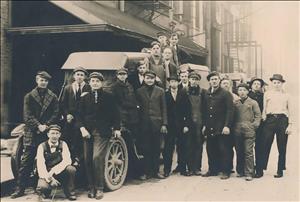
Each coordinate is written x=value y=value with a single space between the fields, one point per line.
x=150 y=73
x=44 y=74
x=278 y=77
x=262 y=82
x=97 y=75
x=80 y=69
x=194 y=75
x=211 y=74
x=173 y=78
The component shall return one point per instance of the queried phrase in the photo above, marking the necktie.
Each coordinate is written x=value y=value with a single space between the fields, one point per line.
x=78 y=93
x=96 y=97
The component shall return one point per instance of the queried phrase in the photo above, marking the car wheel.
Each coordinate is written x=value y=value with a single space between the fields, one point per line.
x=116 y=164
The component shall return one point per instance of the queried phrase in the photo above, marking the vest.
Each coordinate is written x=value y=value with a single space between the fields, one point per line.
x=196 y=103
x=52 y=159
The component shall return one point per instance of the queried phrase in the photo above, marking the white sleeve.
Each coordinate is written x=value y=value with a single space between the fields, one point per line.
x=41 y=165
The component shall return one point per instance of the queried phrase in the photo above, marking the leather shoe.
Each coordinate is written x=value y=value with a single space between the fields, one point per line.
x=208 y=174
x=176 y=170
x=159 y=176
x=224 y=176
x=91 y=193
x=249 y=178
x=72 y=198
x=259 y=174
x=143 y=177
x=279 y=174
x=197 y=173
x=240 y=175
x=166 y=175
x=99 y=194
x=18 y=193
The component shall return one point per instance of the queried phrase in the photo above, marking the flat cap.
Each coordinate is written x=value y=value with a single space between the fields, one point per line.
x=194 y=75
x=150 y=73
x=96 y=75
x=44 y=75
x=213 y=73
x=80 y=69
x=54 y=127
x=122 y=70
x=243 y=85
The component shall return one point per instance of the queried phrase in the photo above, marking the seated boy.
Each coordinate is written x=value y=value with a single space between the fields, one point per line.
x=54 y=165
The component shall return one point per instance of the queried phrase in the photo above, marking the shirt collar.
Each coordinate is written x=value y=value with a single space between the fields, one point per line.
x=50 y=143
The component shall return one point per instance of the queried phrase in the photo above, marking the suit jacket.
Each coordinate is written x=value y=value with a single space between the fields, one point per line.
x=258 y=97
x=38 y=112
x=134 y=80
x=175 y=58
x=153 y=109
x=101 y=116
x=218 y=111
x=69 y=104
x=179 y=110
x=126 y=101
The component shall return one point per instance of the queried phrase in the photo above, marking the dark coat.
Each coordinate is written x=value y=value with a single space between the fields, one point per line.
x=126 y=101
x=68 y=103
x=134 y=80
x=218 y=111
x=258 y=97
x=153 y=110
x=38 y=112
x=179 y=111
x=101 y=116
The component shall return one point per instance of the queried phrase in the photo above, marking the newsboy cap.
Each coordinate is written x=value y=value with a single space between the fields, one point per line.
x=243 y=85
x=122 y=70
x=150 y=73
x=96 y=75
x=213 y=73
x=80 y=69
x=44 y=75
x=194 y=75
x=278 y=77
x=54 y=127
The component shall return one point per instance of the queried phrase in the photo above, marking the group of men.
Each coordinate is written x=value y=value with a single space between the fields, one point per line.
x=157 y=103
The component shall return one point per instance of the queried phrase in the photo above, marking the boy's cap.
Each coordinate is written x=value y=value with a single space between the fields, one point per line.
x=54 y=127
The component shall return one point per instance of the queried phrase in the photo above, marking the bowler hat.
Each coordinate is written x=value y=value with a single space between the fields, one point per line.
x=256 y=79
x=173 y=77
x=213 y=73
x=195 y=75
x=150 y=73
x=81 y=69
x=122 y=70
x=54 y=127
x=44 y=75
x=278 y=77
x=96 y=75
x=244 y=85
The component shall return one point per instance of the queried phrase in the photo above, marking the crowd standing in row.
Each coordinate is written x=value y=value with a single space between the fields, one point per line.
x=158 y=102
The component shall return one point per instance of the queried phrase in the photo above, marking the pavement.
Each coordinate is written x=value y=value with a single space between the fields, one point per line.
x=197 y=188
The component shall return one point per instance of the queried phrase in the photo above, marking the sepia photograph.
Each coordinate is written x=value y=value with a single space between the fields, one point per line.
x=149 y=100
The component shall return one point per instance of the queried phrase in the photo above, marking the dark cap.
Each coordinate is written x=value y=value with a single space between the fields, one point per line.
x=194 y=75
x=44 y=75
x=158 y=34
x=213 y=73
x=278 y=77
x=80 y=69
x=122 y=70
x=54 y=127
x=96 y=75
x=244 y=85
x=150 y=73
x=256 y=79
x=173 y=77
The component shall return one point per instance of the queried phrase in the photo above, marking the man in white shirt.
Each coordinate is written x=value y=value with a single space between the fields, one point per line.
x=276 y=117
x=54 y=165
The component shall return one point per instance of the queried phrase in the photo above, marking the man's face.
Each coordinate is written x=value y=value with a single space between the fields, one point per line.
x=122 y=76
x=95 y=83
x=162 y=40
x=149 y=80
x=277 y=84
x=79 y=76
x=41 y=82
x=193 y=82
x=173 y=84
x=225 y=84
x=155 y=50
x=242 y=92
x=167 y=54
x=53 y=135
x=214 y=81
x=142 y=69
x=174 y=40
x=256 y=85
x=184 y=77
